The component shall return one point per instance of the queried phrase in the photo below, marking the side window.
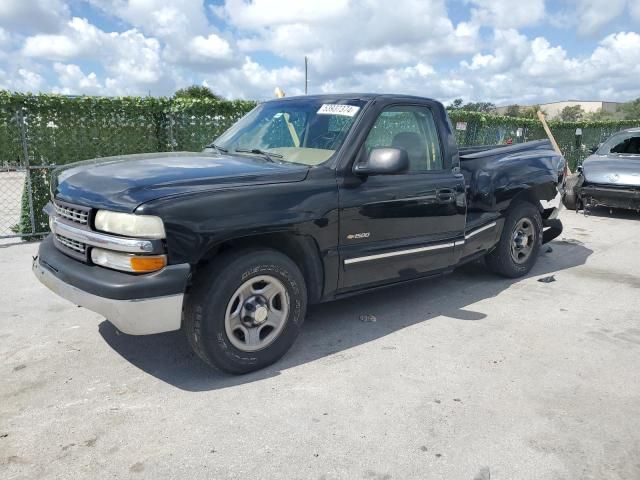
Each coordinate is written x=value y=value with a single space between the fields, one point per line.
x=411 y=128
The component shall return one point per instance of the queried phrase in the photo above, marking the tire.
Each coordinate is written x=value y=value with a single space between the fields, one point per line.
x=570 y=198
x=225 y=320
x=508 y=258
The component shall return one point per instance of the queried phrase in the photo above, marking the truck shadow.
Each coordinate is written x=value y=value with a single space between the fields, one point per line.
x=333 y=328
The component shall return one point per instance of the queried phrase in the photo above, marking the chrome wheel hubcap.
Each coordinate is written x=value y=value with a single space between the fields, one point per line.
x=256 y=313
x=522 y=240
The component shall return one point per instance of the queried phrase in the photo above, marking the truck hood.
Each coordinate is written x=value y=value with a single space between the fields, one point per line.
x=612 y=170
x=124 y=182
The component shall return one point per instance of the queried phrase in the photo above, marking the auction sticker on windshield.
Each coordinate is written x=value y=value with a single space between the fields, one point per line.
x=335 y=109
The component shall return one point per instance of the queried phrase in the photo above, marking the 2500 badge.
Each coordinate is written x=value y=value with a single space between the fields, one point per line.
x=355 y=236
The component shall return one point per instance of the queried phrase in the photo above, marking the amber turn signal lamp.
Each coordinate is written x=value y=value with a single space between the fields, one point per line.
x=148 y=263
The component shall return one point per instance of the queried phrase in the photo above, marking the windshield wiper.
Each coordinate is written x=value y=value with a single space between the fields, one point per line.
x=257 y=151
x=217 y=148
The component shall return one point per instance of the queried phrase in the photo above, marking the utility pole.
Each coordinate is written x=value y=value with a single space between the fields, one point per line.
x=306 y=74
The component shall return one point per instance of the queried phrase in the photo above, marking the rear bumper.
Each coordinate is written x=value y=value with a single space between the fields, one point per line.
x=135 y=304
x=552 y=226
x=613 y=197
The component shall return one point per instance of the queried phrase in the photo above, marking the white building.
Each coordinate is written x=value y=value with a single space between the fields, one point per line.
x=553 y=109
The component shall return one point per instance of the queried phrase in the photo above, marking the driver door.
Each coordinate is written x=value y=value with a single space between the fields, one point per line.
x=398 y=227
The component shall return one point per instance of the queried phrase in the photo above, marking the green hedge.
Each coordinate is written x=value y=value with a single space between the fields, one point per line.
x=60 y=130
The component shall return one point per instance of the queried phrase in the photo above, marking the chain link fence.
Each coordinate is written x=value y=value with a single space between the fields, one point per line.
x=40 y=132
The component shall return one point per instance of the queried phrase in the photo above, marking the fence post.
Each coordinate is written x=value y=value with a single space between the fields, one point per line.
x=171 y=140
x=25 y=153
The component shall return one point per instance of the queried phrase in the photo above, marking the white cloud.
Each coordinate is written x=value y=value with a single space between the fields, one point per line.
x=546 y=61
x=251 y=80
x=510 y=49
x=338 y=36
x=590 y=17
x=72 y=80
x=33 y=15
x=404 y=46
x=4 y=37
x=27 y=80
x=79 y=39
x=611 y=58
x=595 y=14
x=507 y=13
x=256 y=14
x=182 y=27
x=383 y=56
x=131 y=60
x=158 y=17
x=209 y=48
x=541 y=71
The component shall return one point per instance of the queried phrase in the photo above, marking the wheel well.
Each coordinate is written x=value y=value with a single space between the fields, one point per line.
x=527 y=195
x=301 y=249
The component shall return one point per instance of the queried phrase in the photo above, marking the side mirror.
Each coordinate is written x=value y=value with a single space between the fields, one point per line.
x=594 y=149
x=384 y=161
x=579 y=169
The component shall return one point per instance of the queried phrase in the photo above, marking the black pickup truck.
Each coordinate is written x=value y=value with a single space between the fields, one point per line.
x=304 y=200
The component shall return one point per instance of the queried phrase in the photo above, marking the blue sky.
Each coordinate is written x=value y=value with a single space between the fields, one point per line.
x=481 y=50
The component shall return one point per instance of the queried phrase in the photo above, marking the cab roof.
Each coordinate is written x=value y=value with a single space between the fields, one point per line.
x=352 y=96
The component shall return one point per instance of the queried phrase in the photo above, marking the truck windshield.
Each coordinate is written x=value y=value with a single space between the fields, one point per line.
x=306 y=131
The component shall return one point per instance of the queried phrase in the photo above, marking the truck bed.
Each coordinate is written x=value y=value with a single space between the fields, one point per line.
x=477 y=151
x=494 y=174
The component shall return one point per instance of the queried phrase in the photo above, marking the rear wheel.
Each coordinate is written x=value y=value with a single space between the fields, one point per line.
x=245 y=310
x=519 y=245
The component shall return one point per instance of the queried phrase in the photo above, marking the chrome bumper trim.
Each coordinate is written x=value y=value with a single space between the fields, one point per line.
x=135 y=317
x=478 y=230
x=396 y=253
x=109 y=242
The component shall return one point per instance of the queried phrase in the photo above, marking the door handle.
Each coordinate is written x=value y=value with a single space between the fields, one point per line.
x=445 y=195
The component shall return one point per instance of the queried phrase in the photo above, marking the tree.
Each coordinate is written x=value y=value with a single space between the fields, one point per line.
x=630 y=110
x=571 y=114
x=485 y=107
x=455 y=105
x=598 y=116
x=531 y=112
x=513 y=111
x=196 y=91
x=458 y=104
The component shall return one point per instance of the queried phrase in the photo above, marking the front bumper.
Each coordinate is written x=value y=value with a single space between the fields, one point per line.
x=135 y=304
x=612 y=197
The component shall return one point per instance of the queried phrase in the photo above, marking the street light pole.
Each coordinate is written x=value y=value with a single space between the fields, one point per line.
x=306 y=74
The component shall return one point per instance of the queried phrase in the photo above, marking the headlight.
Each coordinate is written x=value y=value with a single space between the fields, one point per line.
x=130 y=225
x=128 y=262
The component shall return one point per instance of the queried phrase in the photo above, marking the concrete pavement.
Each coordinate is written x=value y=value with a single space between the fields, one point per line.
x=469 y=376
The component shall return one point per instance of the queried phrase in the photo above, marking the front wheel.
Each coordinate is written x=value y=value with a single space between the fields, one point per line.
x=571 y=199
x=245 y=310
x=520 y=242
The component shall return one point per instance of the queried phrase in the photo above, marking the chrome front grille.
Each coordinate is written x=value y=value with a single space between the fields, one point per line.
x=72 y=214
x=64 y=213
x=71 y=244
x=73 y=235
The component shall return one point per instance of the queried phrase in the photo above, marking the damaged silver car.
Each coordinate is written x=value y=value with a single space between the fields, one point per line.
x=610 y=177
